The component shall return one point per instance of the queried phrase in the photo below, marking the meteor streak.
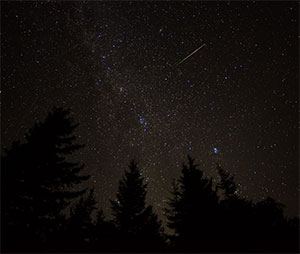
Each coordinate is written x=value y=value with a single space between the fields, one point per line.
x=191 y=54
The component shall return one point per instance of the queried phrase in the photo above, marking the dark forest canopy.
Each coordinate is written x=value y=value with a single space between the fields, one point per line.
x=37 y=184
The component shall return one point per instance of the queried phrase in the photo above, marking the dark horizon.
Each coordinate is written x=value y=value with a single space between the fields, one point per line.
x=48 y=205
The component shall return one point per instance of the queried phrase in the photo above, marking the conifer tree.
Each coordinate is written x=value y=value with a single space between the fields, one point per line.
x=105 y=235
x=272 y=224
x=192 y=211
x=136 y=222
x=227 y=183
x=236 y=214
x=36 y=180
x=262 y=226
x=80 y=226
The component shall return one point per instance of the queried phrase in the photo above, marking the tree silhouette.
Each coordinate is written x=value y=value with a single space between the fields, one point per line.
x=36 y=181
x=137 y=225
x=193 y=210
x=275 y=231
x=227 y=184
x=236 y=215
x=261 y=227
x=104 y=234
x=80 y=228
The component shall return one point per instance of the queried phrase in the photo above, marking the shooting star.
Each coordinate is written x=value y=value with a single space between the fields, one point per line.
x=191 y=54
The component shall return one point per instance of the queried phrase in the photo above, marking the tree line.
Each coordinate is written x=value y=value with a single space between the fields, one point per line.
x=42 y=210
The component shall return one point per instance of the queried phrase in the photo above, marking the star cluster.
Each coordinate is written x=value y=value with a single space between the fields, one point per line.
x=114 y=64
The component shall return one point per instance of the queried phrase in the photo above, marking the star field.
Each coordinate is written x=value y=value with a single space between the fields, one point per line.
x=114 y=64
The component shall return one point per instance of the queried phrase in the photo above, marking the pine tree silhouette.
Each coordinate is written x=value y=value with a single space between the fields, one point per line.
x=193 y=210
x=261 y=227
x=275 y=233
x=80 y=228
x=36 y=181
x=104 y=234
x=236 y=215
x=227 y=184
x=137 y=225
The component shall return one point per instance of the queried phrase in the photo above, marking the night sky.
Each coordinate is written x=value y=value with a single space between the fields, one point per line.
x=114 y=64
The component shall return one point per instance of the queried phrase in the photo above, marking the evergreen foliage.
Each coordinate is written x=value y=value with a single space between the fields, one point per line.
x=227 y=184
x=137 y=225
x=193 y=209
x=80 y=226
x=36 y=180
